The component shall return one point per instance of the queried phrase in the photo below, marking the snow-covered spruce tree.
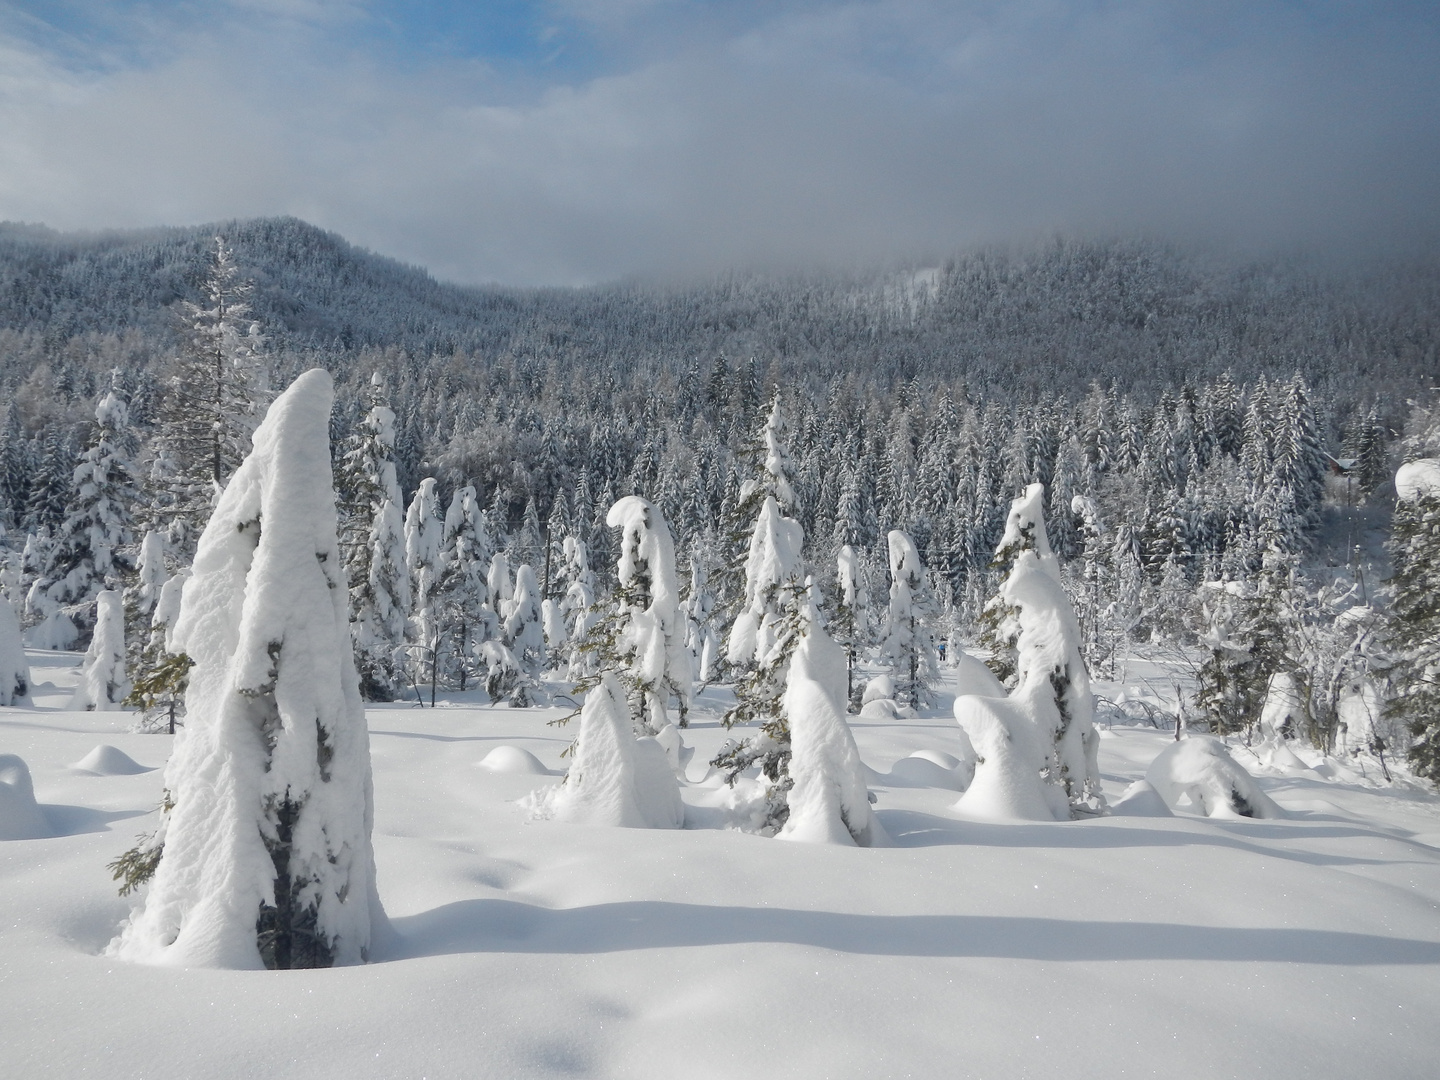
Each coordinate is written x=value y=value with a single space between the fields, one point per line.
x=424 y=541
x=90 y=548
x=852 y=614
x=1051 y=683
x=14 y=669
x=642 y=641
x=103 y=685
x=761 y=642
x=523 y=630
x=829 y=802
x=213 y=397
x=463 y=595
x=263 y=856
x=1414 y=635
x=698 y=609
x=162 y=675
x=373 y=546
x=576 y=606
x=908 y=641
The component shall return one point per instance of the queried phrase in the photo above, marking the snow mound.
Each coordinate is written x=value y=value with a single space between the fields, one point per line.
x=1140 y=799
x=932 y=768
x=512 y=759
x=20 y=816
x=107 y=760
x=1007 y=784
x=676 y=752
x=880 y=709
x=1418 y=479
x=880 y=688
x=615 y=779
x=1201 y=769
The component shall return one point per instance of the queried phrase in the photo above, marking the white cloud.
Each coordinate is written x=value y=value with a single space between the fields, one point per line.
x=823 y=133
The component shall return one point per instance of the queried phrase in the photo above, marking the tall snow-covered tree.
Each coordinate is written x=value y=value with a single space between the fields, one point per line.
x=263 y=857
x=424 y=542
x=463 y=595
x=908 y=641
x=103 y=685
x=1051 y=683
x=213 y=397
x=643 y=640
x=14 y=668
x=90 y=551
x=1415 y=611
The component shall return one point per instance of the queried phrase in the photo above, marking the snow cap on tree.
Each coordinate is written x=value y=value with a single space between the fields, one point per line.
x=103 y=685
x=266 y=856
x=829 y=801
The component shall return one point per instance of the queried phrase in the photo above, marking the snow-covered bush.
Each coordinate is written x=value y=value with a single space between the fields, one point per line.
x=103 y=685
x=615 y=778
x=1199 y=770
x=14 y=668
x=263 y=855
x=829 y=800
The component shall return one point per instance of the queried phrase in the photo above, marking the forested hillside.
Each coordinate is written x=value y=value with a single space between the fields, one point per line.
x=1192 y=420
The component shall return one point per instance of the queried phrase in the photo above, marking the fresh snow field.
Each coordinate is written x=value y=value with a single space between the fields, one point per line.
x=1305 y=947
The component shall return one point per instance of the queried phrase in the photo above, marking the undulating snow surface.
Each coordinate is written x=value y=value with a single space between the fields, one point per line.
x=1300 y=948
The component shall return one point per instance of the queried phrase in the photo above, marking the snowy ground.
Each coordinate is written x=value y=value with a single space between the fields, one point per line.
x=1307 y=947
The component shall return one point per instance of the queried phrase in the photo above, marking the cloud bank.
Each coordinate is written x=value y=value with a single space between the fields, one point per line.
x=751 y=135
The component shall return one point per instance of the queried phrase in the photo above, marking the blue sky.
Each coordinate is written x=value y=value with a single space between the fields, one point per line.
x=568 y=141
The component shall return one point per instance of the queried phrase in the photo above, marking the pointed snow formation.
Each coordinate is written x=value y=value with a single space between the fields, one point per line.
x=265 y=856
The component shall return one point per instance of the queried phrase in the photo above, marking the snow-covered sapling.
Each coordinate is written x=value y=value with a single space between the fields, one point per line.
x=908 y=641
x=103 y=685
x=14 y=669
x=615 y=778
x=263 y=856
x=829 y=800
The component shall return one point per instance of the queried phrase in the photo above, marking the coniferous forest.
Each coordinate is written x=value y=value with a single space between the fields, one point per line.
x=1193 y=421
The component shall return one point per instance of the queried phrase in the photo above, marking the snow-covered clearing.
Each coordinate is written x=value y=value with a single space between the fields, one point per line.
x=1306 y=947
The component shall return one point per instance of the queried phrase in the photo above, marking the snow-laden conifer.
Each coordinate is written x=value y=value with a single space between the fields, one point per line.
x=264 y=856
x=698 y=608
x=908 y=641
x=215 y=393
x=576 y=606
x=90 y=550
x=1051 y=695
x=644 y=639
x=103 y=685
x=852 y=614
x=1415 y=611
x=373 y=546
x=829 y=801
x=615 y=778
x=14 y=668
x=463 y=595
x=424 y=543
